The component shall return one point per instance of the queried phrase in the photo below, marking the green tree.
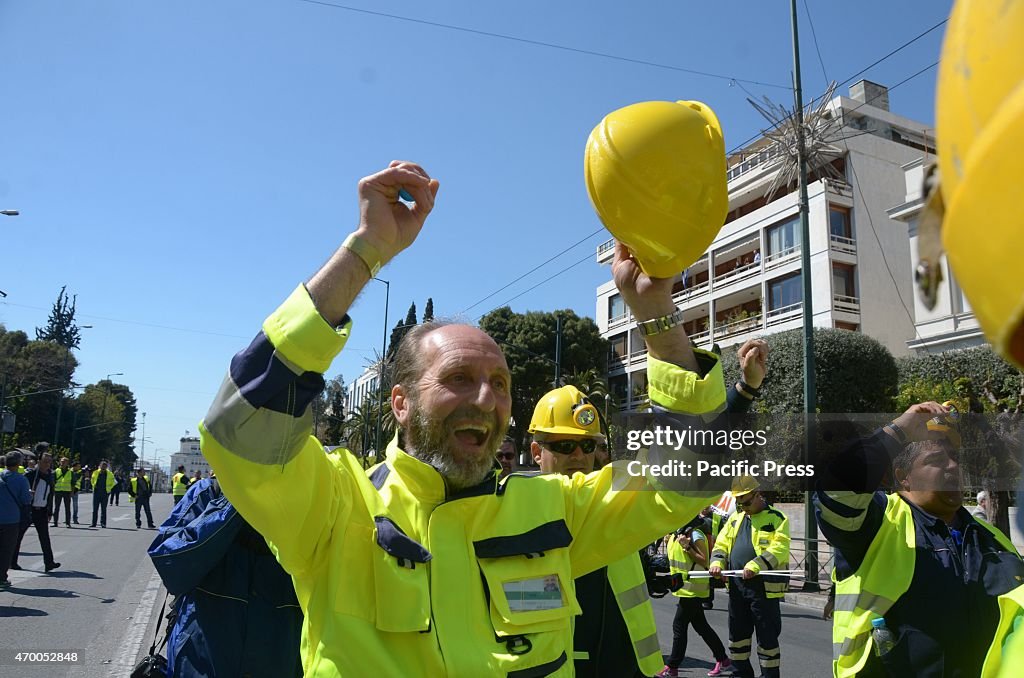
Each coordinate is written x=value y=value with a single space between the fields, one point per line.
x=528 y=341
x=61 y=327
x=34 y=374
x=400 y=330
x=853 y=373
x=428 y=312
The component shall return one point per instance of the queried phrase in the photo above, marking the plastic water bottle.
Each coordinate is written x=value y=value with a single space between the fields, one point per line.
x=884 y=639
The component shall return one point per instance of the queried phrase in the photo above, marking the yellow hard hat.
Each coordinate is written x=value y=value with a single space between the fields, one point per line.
x=980 y=130
x=947 y=426
x=655 y=172
x=566 y=411
x=743 y=485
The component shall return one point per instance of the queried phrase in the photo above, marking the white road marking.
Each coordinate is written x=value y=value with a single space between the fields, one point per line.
x=133 y=639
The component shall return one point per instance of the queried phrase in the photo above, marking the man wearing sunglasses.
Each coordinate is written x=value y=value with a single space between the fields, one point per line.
x=616 y=635
x=755 y=538
x=506 y=456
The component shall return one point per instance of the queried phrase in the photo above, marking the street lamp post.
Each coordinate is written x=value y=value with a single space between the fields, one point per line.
x=107 y=394
x=383 y=353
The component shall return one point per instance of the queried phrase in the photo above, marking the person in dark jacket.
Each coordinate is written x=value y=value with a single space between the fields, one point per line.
x=115 y=493
x=14 y=499
x=950 y=566
x=40 y=482
x=141 y=489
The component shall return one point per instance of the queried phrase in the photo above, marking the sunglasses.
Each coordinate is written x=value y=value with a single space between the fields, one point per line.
x=748 y=502
x=509 y=456
x=587 y=445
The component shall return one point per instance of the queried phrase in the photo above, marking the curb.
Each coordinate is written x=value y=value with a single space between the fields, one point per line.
x=814 y=601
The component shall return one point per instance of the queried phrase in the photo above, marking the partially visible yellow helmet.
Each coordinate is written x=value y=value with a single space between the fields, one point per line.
x=655 y=173
x=744 y=485
x=980 y=130
x=946 y=427
x=566 y=411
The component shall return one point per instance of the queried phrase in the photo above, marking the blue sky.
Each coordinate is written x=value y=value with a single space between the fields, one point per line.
x=181 y=166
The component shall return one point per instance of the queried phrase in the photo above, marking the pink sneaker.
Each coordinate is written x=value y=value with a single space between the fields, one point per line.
x=667 y=672
x=719 y=667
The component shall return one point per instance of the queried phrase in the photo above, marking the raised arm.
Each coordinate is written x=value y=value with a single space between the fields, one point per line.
x=257 y=434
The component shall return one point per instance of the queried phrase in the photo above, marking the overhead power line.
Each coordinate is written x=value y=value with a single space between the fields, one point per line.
x=540 y=43
x=535 y=268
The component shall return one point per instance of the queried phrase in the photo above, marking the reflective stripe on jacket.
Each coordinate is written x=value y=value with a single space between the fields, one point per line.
x=629 y=584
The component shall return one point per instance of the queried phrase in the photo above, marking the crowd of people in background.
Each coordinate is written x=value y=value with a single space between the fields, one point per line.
x=34 y=492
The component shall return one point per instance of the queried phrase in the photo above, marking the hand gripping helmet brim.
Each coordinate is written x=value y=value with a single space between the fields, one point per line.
x=566 y=411
x=655 y=173
x=980 y=129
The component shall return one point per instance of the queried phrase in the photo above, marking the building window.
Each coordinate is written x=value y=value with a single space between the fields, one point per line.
x=616 y=307
x=783 y=237
x=839 y=222
x=619 y=387
x=785 y=292
x=617 y=347
x=851 y=327
x=844 y=280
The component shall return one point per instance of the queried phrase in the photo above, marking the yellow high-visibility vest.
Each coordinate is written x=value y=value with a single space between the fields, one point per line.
x=679 y=561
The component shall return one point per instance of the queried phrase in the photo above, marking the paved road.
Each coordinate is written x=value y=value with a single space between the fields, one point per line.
x=99 y=603
x=806 y=639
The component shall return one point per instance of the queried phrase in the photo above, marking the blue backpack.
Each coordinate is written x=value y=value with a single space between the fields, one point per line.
x=235 y=612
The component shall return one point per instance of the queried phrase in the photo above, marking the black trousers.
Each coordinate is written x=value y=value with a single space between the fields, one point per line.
x=59 y=497
x=142 y=503
x=749 y=611
x=41 y=520
x=690 y=611
x=99 y=506
x=115 y=497
x=9 y=535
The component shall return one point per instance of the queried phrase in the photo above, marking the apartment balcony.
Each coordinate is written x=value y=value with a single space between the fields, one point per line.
x=781 y=258
x=618 y=320
x=846 y=304
x=757 y=160
x=838 y=243
x=691 y=293
x=742 y=326
x=783 y=314
x=736 y=275
x=606 y=251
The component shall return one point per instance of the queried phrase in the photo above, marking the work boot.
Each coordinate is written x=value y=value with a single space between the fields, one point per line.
x=52 y=566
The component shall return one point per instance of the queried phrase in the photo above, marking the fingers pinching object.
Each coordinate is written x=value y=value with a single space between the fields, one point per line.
x=404 y=195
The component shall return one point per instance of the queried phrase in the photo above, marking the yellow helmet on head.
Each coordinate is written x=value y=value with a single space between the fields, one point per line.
x=744 y=485
x=655 y=173
x=980 y=130
x=566 y=411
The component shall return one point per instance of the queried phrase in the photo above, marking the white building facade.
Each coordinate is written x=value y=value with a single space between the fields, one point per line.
x=191 y=457
x=364 y=386
x=951 y=324
x=748 y=283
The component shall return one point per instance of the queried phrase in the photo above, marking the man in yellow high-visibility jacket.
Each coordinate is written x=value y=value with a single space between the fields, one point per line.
x=179 y=484
x=616 y=634
x=427 y=565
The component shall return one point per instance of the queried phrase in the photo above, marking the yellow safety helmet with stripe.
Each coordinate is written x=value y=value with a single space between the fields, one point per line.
x=980 y=133
x=744 y=485
x=655 y=173
x=566 y=411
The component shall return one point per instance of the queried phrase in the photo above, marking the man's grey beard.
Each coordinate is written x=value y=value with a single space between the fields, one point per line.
x=427 y=440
